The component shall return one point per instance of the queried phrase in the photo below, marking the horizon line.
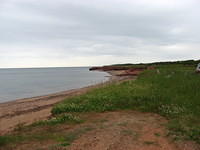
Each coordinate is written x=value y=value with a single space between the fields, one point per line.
x=95 y=65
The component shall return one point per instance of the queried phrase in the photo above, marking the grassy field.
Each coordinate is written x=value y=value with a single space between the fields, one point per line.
x=171 y=90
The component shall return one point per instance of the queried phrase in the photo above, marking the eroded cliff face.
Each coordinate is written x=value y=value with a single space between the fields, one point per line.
x=122 y=71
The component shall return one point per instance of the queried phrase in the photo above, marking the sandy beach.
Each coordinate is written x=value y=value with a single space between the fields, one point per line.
x=29 y=110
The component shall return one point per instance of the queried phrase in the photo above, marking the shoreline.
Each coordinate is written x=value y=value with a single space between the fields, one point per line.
x=28 y=110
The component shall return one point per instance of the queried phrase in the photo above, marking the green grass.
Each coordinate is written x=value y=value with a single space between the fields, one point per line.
x=46 y=134
x=63 y=118
x=67 y=139
x=17 y=138
x=150 y=143
x=62 y=138
x=184 y=62
x=169 y=90
x=4 y=140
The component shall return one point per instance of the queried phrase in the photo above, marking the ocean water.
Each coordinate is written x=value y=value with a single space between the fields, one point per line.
x=25 y=83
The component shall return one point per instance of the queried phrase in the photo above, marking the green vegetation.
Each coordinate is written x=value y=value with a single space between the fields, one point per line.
x=59 y=119
x=45 y=134
x=171 y=90
x=141 y=65
x=129 y=133
x=150 y=143
x=62 y=138
x=70 y=137
x=157 y=134
x=4 y=140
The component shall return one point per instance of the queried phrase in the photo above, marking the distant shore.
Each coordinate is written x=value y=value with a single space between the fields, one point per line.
x=29 y=110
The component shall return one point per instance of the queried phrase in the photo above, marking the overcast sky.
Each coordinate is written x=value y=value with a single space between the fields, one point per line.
x=42 y=33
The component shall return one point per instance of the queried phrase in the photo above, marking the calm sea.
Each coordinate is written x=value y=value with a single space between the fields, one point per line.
x=24 y=83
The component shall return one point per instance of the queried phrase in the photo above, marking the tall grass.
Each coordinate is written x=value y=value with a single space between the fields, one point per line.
x=169 y=90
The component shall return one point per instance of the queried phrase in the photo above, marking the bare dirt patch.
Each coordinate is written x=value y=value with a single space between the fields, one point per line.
x=126 y=130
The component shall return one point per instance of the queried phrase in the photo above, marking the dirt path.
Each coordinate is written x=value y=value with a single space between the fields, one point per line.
x=128 y=130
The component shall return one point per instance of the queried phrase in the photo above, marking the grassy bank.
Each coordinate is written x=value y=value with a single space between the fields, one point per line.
x=171 y=90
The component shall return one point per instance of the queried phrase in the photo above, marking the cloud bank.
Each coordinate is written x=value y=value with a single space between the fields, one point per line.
x=47 y=33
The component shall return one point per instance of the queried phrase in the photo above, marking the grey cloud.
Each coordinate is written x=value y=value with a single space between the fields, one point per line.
x=66 y=29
